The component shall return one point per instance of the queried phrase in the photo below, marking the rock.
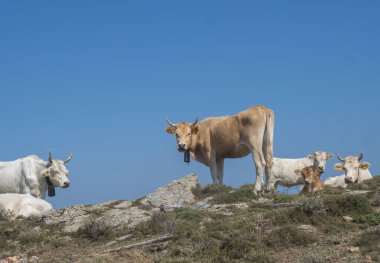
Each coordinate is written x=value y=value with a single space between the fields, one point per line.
x=33 y=259
x=358 y=192
x=354 y=249
x=121 y=213
x=177 y=193
x=114 y=213
x=348 y=218
x=308 y=229
x=14 y=259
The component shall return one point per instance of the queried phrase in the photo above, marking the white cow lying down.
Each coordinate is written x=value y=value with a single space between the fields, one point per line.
x=24 y=205
x=283 y=170
x=355 y=172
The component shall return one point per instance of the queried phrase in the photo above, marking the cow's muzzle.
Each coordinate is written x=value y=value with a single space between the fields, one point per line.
x=182 y=147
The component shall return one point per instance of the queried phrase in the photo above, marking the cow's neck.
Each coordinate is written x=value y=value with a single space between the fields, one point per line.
x=364 y=175
x=43 y=186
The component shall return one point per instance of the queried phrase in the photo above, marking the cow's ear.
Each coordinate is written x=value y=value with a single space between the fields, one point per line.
x=170 y=130
x=298 y=172
x=364 y=165
x=312 y=157
x=45 y=173
x=329 y=156
x=338 y=167
x=194 y=129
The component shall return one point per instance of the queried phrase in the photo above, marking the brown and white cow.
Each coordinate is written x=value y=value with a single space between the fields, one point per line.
x=214 y=139
x=312 y=179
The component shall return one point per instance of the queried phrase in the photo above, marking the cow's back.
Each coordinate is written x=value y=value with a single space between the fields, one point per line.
x=283 y=170
x=11 y=177
x=252 y=121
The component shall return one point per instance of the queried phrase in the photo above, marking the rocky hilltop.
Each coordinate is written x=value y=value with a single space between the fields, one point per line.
x=183 y=222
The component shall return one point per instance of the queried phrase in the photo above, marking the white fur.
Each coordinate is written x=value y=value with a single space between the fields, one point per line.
x=283 y=170
x=24 y=205
x=26 y=176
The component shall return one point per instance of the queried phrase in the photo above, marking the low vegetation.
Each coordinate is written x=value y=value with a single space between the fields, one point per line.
x=312 y=230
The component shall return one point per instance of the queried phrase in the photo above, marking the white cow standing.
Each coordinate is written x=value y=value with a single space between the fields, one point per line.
x=355 y=172
x=284 y=169
x=32 y=175
x=14 y=205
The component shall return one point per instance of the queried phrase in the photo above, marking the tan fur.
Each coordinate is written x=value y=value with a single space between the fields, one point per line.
x=217 y=138
x=312 y=178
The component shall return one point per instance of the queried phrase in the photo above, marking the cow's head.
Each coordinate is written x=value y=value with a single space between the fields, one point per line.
x=312 y=178
x=57 y=172
x=320 y=158
x=183 y=132
x=351 y=166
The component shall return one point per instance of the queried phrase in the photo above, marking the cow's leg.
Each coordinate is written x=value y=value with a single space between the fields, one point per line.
x=220 y=167
x=213 y=169
x=258 y=158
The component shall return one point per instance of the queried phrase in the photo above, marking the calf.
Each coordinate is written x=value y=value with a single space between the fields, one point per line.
x=283 y=171
x=312 y=179
x=23 y=205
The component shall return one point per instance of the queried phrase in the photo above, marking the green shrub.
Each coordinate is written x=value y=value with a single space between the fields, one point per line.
x=243 y=194
x=289 y=235
x=94 y=230
x=372 y=219
x=209 y=190
x=340 y=205
x=369 y=242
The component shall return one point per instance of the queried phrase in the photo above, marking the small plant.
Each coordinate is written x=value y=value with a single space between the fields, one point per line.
x=6 y=214
x=289 y=235
x=94 y=230
x=369 y=242
x=372 y=219
x=340 y=205
x=209 y=190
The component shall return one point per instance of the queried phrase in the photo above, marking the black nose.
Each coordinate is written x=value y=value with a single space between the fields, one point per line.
x=66 y=184
x=181 y=145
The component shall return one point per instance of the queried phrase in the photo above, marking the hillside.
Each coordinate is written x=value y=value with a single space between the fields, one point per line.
x=183 y=222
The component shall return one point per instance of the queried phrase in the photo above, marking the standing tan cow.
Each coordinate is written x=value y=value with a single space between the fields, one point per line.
x=214 y=139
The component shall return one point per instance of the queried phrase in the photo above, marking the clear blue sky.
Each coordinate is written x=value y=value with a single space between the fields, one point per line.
x=96 y=78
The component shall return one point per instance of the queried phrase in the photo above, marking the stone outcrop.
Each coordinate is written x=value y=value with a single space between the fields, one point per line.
x=122 y=213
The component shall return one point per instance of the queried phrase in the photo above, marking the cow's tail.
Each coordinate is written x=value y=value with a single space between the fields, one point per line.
x=268 y=147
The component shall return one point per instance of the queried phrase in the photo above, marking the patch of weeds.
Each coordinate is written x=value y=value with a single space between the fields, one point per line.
x=333 y=241
x=243 y=194
x=209 y=190
x=5 y=214
x=31 y=237
x=94 y=230
x=289 y=235
x=369 y=242
x=284 y=198
x=339 y=205
x=95 y=211
x=372 y=219
x=137 y=202
x=158 y=223
x=372 y=184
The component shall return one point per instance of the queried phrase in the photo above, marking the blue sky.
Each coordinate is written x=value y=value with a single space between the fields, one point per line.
x=97 y=78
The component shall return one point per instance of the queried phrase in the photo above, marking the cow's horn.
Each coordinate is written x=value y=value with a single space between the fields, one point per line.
x=340 y=158
x=195 y=122
x=360 y=156
x=68 y=158
x=170 y=123
x=50 y=159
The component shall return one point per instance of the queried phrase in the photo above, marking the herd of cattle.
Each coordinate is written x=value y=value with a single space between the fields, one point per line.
x=24 y=182
x=251 y=132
